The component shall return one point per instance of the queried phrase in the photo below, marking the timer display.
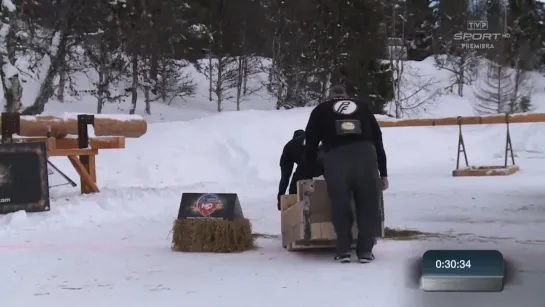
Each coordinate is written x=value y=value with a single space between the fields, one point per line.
x=453 y=264
x=462 y=270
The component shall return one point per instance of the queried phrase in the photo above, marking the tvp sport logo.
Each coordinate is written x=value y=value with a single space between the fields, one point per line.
x=478 y=25
x=208 y=204
x=477 y=36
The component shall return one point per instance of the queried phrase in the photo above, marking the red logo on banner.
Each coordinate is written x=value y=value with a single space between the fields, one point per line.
x=208 y=204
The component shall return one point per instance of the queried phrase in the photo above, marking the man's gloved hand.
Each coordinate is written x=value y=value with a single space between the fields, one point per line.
x=384 y=183
x=278 y=202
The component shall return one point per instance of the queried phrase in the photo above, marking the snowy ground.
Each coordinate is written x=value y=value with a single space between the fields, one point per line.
x=112 y=248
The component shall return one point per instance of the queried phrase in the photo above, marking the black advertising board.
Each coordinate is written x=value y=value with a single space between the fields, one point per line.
x=23 y=178
x=222 y=206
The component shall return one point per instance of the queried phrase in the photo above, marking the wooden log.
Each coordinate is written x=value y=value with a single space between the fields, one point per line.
x=471 y=120
x=40 y=125
x=132 y=126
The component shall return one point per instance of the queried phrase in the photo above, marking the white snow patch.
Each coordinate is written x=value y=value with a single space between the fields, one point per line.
x=8 y=4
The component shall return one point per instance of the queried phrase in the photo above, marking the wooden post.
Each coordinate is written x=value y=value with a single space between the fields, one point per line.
x=305 y=188
x=87 y=162
x=86 y=179
x=10 y=126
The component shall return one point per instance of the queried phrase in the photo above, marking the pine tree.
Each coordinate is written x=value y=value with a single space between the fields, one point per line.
x=495 y=91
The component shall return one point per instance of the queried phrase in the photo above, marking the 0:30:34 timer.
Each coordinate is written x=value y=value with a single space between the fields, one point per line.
x=453 y=264
x=462 y=271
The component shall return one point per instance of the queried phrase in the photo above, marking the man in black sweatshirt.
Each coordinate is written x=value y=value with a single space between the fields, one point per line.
x=293 y=153
x=354 y=158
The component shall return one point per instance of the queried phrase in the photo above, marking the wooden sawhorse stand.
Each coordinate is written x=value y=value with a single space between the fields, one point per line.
x=81 y=151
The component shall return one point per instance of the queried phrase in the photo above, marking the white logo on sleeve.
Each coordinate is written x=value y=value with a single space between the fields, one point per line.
x=345 y=107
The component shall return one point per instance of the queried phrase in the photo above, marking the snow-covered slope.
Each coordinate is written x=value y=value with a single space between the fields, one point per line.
x=421 y=80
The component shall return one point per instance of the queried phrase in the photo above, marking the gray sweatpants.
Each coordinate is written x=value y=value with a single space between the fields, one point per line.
x=352 y=170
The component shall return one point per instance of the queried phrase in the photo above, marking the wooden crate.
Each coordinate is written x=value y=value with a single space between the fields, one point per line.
x=306 y=218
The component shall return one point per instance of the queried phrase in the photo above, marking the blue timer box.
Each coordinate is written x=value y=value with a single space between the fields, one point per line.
x=462 y=271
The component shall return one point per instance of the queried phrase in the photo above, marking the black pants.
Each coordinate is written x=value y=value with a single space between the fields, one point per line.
x=352 y=170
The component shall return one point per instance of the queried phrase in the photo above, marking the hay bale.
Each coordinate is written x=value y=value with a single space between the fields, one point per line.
x=208 y=235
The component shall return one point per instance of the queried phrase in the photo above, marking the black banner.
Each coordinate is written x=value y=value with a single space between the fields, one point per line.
x=223 y=206
x=23 y=177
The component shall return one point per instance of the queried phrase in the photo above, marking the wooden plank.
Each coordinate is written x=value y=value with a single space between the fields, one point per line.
x=323 y=244
x=316 y=231
x=99 y=142
x=85 y=187
x=72 y=152
x=91 y=186
x=328 y=231
x=92 y=168
x=293 y=215
x=305 y=188
x=51 y=144
x=286 y=201
x=486 y=171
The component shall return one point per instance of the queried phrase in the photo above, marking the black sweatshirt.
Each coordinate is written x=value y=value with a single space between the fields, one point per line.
x=341 y=121
x=292 y=154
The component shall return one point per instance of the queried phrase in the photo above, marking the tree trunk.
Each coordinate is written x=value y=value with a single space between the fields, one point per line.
x=62 y=81
x=210 y=76
x=100 y=92
x=219 y=85
x=240 y=81
x=134 y=89
x=13 y=91
x=102 y=85
x=11 y=84
x=46 y=88
x=245 y=75
x=147 y=89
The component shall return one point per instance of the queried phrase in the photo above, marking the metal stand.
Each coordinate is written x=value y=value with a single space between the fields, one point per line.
x=496 y=170
x=461 y=145
x=70 y=181
x=83 y=133
x=508 y=144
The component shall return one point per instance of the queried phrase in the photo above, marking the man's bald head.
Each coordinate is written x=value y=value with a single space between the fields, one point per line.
x=337 y=91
